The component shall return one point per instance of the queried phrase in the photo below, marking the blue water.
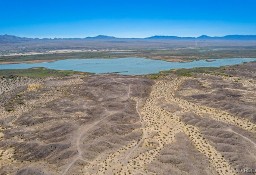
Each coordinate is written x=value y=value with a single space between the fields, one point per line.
x=126 y=66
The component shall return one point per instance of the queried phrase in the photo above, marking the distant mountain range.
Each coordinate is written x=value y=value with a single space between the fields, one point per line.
x=12 y=38
x=205 y=37
x=101 y=37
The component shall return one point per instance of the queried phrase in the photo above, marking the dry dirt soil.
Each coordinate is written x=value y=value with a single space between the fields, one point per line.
x=113 y=124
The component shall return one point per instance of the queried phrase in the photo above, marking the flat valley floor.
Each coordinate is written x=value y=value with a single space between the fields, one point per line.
x=114 y=124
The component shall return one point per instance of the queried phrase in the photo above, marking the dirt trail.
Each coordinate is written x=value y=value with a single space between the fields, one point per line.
x=159 y=128
x=84 y=129
x=143 y=133
x=81 y=131
x=49 y=94
x=244 y=137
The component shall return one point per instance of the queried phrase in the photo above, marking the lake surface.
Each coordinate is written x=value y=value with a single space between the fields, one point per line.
x=126 y=66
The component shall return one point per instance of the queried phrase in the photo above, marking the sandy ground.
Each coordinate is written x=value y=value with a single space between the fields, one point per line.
x=159 y=129
x=112 y=124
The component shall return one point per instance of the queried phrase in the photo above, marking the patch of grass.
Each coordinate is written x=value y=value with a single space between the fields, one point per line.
x=184 y=72
x=153 y=76
x=190 y=72
x=37 y=73
x=158 y=75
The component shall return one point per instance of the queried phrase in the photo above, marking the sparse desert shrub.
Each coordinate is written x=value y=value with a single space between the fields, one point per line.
x=9 y=107
x=34 y=87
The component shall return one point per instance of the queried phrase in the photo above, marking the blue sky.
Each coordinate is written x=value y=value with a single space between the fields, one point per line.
x=123 y=18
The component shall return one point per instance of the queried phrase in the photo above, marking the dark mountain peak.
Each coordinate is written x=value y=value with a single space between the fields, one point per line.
x=241 y=37
x=11 y=38
x=204 y=37
x=101 y=37
x=162 y=37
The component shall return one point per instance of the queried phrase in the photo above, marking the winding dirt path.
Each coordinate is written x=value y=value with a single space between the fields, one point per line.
x=244 y=137
x=159 y=128
x=81 y=131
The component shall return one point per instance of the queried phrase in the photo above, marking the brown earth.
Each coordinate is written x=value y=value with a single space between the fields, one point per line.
x=113 y=124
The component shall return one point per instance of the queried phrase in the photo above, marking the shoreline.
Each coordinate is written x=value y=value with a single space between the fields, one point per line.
x=30 y=61
x=180 y=60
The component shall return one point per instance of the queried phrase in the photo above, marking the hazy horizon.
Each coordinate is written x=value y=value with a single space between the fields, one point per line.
x=129 y=19
x=83 y=37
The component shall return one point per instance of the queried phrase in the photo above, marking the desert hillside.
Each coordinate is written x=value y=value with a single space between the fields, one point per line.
x=203 y=124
